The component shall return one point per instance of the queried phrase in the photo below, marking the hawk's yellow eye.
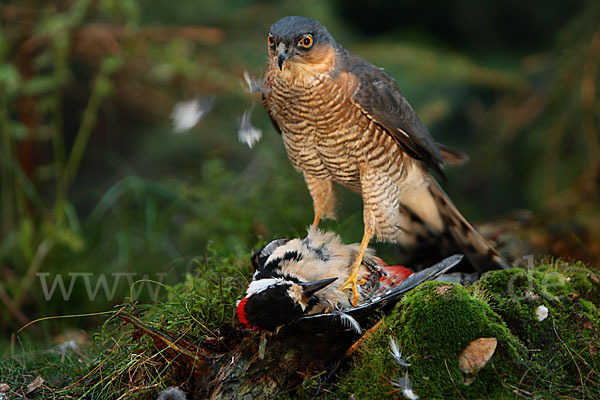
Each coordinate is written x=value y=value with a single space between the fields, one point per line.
x=306 y=41
x=270 y=40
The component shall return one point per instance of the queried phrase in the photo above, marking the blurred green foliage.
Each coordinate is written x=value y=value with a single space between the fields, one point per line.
x=94 y=180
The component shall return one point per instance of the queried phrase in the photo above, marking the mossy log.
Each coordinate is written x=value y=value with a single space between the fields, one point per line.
x=267 y=365
x=255 y=365
x=552 y=353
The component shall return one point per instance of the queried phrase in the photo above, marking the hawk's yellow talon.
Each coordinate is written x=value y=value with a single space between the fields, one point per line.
x=351 y=284
x=352 y=281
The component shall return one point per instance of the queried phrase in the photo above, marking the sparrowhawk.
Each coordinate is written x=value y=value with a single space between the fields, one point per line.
x=344 y=120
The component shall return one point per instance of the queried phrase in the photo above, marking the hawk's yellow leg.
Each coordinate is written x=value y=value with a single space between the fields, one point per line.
x=352 y=281
x=317 y=219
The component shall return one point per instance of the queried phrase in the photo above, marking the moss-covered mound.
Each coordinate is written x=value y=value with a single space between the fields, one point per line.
x=432 y=325
x=544 y=323
x=549 y=354
x=563 y=347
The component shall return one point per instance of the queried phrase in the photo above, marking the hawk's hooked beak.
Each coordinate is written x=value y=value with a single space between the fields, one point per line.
x=283 y=54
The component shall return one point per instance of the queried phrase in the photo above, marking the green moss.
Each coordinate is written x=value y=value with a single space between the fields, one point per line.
x=588 y=307
x=373 y=369
x=437 y=323
x=433 y=324
x=557 y=356
x=205 y=302
x=577 y=278
x=563 y=346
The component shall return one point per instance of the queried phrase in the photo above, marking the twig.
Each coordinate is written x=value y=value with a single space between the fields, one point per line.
x=573 y=358
x=179 y=344
x=63 y=316
x=520 y=392
x=100 y=91
x=38 y=260
x=452 y=379
x=354 y=348
x=10 y=306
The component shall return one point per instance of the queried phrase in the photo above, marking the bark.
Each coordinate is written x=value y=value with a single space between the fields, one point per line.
x=266 y=365
x=246 y=365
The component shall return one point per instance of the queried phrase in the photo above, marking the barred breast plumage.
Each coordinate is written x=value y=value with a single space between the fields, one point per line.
x=326 y=135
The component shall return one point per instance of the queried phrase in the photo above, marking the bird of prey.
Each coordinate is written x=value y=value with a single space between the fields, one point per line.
x=344 y=120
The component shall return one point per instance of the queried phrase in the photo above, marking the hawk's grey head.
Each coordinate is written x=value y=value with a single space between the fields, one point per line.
x=296 y=36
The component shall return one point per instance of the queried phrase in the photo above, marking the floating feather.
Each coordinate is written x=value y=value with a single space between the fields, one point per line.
x=187 y=114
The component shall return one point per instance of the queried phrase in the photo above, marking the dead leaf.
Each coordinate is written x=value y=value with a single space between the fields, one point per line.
x=442 y=289
x=467 y=380
x=4 y=388
x=79 y=337
x=476 y=355
x=592 y=348
x=529 y=293
x=36 y=384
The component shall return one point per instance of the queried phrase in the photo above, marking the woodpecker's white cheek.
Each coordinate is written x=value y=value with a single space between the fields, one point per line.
x=295 y=293
x=262 y=284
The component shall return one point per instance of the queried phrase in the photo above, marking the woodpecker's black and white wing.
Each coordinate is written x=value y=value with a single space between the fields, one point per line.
x=259 y=258
x=342 y=319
